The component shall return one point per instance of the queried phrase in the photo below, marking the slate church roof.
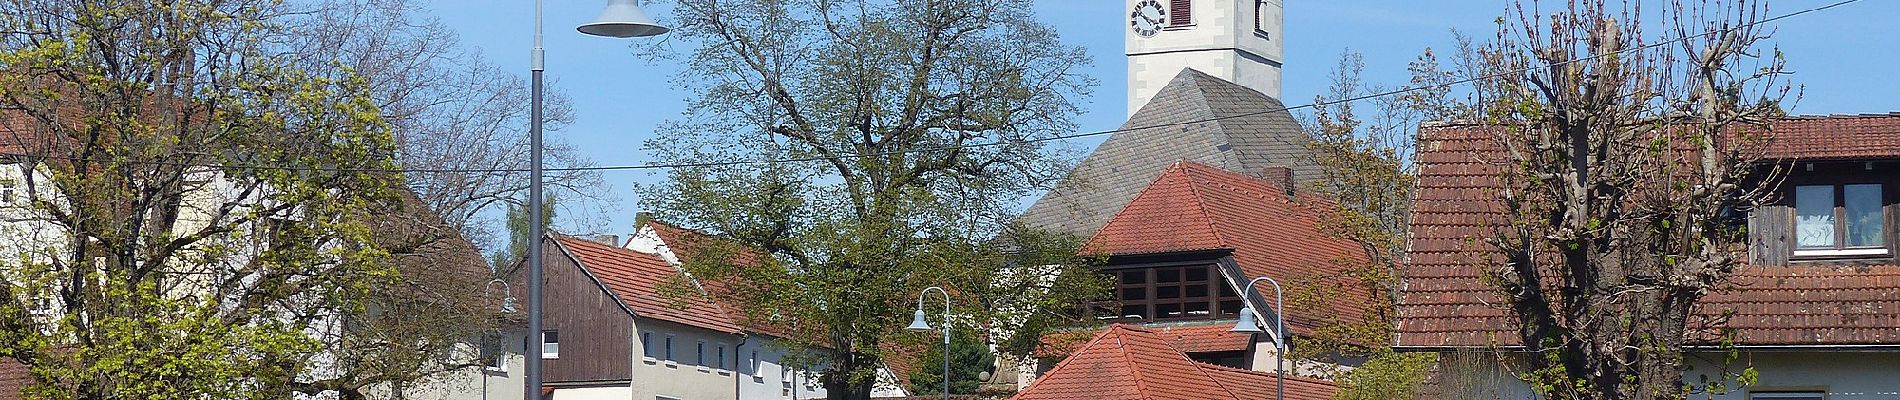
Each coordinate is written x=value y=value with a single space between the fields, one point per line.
x=1196 y=117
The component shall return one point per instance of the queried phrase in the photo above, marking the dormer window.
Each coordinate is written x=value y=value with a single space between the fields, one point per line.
x=1839 y=220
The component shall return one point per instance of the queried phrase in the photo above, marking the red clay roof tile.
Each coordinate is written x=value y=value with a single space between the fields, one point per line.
x=1200 y=337
x=1131 y=363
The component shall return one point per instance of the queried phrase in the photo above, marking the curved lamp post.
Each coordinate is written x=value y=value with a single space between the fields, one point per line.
x=1247 y=325
x=917 y=324
x=622 y=18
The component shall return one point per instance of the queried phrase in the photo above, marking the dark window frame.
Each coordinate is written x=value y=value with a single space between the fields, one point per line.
x=1839 y=174
x=1216 y=300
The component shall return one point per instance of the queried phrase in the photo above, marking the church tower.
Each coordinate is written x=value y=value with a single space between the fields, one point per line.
x=1235 y=40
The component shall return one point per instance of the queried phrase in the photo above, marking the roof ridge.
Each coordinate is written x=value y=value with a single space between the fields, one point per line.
x=1180 y=166
x=1121 y=347
x=1200 y=203
x=1065 y=361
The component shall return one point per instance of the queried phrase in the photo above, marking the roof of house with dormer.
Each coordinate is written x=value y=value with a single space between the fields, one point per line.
x=1446 y=303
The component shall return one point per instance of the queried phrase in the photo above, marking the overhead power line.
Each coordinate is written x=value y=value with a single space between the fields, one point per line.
x=653 y=166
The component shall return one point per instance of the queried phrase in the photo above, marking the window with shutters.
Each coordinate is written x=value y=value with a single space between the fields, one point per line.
x=1180 y=13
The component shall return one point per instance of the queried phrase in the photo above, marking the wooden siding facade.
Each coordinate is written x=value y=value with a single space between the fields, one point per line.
x=596 y=333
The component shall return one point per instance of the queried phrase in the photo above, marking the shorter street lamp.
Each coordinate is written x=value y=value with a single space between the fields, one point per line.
x=917 y=324
x=1247 y=325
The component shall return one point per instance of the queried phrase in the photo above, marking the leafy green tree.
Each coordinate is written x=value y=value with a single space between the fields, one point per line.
x=922 y=124
x=970 y=357
x=517 y=223
x=198 y=214
x=1365 y=195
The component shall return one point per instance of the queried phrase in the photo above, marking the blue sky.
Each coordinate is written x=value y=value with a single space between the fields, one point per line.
x=1843 y=58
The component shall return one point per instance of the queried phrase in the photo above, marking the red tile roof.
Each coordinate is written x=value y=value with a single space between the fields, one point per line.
x=636 y=279
x=1444 y=303
x=1200 y=337
x=1826 y=137
x=1193 y=206
x=1130 y=363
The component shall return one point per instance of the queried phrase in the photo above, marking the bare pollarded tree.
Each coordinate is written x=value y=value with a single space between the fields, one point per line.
x=1625 y=157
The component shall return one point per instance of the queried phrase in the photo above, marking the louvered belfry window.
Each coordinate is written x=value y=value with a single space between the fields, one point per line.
x=1180 y=13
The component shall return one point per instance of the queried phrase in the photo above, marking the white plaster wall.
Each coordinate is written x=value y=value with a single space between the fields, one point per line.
x=596 y=393
x=682 y=376
x=1224 y=41
x=1842 y=375
x=768 y=377
x=476 y=383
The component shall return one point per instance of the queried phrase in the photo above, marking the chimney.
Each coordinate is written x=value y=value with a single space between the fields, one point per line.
x=610 y=240
x=1280 y=175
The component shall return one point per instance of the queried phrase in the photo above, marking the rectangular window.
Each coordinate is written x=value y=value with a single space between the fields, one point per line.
x=699 y=356
x=550 y=344
x=646 y=344
x=494 y=357
x=1180 y=13
x=1839 y=220
x=669 y=347
x=720 y=362
x=1174 y=293
x=1816 y=395
x=1863 y=220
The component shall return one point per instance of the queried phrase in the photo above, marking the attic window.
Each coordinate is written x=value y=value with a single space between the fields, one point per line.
x=1839 y=220
x=1180 y=13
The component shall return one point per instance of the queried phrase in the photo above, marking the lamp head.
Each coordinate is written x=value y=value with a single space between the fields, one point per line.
x=917 y=323
x=1246 y=323
x=623 y=19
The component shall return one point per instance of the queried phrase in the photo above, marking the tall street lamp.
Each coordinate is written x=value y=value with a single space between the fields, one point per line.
x=917 y=324
x=1247 y=325
x=621 y=19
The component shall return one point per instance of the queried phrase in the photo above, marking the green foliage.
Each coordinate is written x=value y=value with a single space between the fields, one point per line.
x=156 y=260
x=517 y=223
x=1387 y=376
x=969 y=358
x=922 y=123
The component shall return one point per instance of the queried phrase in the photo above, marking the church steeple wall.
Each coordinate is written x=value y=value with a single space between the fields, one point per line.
x=1235 y=40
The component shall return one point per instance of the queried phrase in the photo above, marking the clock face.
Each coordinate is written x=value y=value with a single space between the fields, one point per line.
x=1147 y=17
